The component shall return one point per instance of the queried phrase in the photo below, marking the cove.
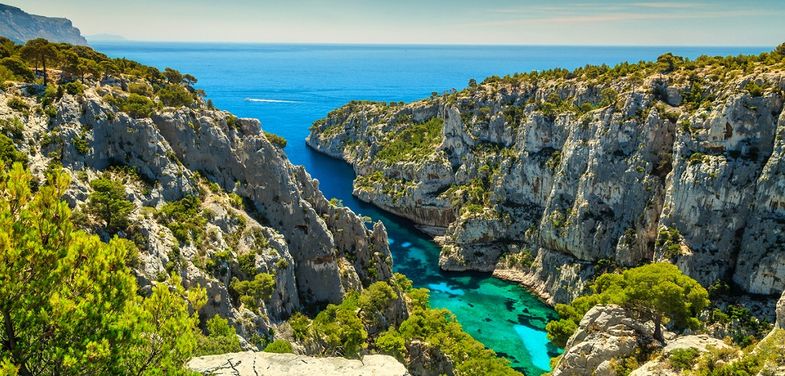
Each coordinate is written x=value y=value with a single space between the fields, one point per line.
x=288 y=87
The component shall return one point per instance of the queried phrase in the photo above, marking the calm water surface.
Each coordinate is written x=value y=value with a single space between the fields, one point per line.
x=288 y=87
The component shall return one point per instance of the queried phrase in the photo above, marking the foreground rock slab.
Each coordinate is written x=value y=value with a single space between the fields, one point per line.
x=269 y=364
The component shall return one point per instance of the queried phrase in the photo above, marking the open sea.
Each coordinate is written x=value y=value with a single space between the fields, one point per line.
x=288 y=87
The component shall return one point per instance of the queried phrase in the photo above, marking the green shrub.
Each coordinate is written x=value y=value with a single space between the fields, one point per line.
x=140 y=88
x=392 y=343
x=74 y=88
x=338 y=329
x=175 y=96
x=18 y=104
x=669 y=241
x=559 y=331
x=12 y=128
x=50 y=95
x=185 y=218
x=9 y=154
x=231 y=122
x=80 y=296
x=300 y=326
x=374 y=300
x=275 y=139
x=5 y=75
x=282 y=263
x=683 y=359
x=755 y=90
x=235 y=200
x=220 y=339
x=253 y=293
x=696 y=159
x=80 y=143
x=247 y=263
x=135 y=105
x=108 y=202
x=279 y=346
x=18 y=68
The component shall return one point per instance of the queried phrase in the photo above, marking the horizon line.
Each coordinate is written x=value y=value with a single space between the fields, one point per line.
x=415 y=44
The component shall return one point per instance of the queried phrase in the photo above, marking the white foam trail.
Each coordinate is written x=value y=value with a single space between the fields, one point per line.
x=264 y=100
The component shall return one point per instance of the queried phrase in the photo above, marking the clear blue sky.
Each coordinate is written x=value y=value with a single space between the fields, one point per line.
x=573 y=22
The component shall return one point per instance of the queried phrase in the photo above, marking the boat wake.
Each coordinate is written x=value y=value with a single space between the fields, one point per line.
x=265 y=100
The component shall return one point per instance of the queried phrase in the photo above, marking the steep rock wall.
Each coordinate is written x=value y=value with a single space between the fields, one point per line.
x=593 y=172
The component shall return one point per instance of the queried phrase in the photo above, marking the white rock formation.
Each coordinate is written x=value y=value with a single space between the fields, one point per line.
x=653 y=174
x=605 y=333
x=268 y=364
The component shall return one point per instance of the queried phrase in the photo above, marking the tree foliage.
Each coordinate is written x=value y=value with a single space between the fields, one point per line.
x=9 y=153
x=108 y=202
x=220 y=339
x=279 y=346
x=658 y=292
x=39 y=51
x=437 y=328
x=275 y=139
x=184 y=218
x=175 y=96
x=339 y=330
x=255 y=292
x=68 y=302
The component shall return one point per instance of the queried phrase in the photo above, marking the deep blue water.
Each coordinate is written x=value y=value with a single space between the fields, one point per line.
x=288 y=87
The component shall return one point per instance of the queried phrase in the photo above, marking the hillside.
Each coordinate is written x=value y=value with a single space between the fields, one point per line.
x=550 y=178
x=19 y=26
x=191 y=232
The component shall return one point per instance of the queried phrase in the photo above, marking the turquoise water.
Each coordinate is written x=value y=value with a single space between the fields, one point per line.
x=288 y=87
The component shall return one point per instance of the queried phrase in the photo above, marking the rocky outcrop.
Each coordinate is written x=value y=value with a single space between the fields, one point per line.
x=610 y=342
x=255 y=212
x=662 y=367
x=605 y=334
x=781 y=312
x=19 y=26
x=260 y=363
x=426 y=360
x=577 y=172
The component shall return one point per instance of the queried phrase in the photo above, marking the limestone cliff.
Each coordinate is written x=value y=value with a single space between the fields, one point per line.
x=246 y=209
x=549 y=177
x=19 y=27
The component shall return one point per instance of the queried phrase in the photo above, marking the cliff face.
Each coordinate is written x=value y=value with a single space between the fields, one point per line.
x=255 y=212
x=19 y=26
x=548 y=178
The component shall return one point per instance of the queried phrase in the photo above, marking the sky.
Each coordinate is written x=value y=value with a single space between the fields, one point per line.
x=527 y=22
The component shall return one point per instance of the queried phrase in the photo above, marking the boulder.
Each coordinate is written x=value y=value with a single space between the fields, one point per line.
x=605 y=333
x=269 y=364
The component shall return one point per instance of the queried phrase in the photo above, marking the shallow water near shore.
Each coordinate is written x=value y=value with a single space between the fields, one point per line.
x=288 y=87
